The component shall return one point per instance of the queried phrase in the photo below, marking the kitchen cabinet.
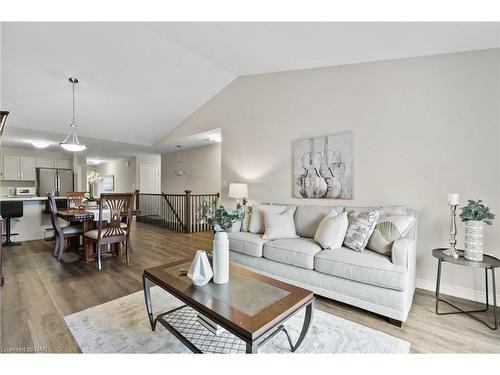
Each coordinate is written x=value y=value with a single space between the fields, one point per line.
x=27 y=169
x=62 y=164
x=18 y=168
x=49 y=163
x=11 y=167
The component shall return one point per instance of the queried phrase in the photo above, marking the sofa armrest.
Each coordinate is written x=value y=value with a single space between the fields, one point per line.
x=404 y=252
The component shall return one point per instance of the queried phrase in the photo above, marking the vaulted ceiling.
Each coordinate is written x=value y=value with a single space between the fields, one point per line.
x=138 y=81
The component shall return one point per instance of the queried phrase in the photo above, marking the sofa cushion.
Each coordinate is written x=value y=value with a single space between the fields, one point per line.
x=298 y=252
x=246 y=243
x=367 y=267
x=308 y=217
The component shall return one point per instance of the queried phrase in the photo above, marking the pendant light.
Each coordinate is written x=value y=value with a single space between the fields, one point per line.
x=71 y=143
x=179 y=172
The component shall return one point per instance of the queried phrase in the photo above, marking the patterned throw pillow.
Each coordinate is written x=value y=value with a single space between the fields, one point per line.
x=361 y=226
x=331 y=231
x=388 y=230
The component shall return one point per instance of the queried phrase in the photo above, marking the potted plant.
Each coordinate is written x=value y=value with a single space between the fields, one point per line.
x=475 y=214
x=222 y=219
x=92 y=177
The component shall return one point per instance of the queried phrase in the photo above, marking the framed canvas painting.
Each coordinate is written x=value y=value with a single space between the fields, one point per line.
x=108 y=183
x=322 y=167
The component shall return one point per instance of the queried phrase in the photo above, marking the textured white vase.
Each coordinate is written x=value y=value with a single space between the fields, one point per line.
x=200 y=271
x=474 y=240
x=221 y=258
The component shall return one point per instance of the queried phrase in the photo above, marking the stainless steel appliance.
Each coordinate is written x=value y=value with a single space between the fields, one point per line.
x=60 y=181
x=25 y=191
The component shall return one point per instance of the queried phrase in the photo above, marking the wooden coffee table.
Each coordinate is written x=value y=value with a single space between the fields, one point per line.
x=250 y=307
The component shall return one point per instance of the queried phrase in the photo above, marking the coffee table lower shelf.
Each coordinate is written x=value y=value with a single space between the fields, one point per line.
x=182 y=322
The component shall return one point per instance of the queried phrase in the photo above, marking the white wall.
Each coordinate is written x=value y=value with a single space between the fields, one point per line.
x=124 y=172
x=203 y=167
x=422 y=127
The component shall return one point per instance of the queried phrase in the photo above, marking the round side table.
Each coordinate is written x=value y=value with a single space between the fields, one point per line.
x=488 y=263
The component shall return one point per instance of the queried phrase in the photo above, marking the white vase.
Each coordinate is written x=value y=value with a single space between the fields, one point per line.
x=221 y=258
x=474 y=240
x=200 y=271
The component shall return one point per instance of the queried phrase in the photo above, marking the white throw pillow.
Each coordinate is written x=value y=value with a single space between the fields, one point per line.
x=388 y=230
x=279 y=225
x=256 y=224
x=331 y=231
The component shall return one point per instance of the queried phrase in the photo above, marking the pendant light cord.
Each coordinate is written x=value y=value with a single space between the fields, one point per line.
x=73 y=124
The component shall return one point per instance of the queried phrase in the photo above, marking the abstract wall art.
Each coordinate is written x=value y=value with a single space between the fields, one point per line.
x=322 y=167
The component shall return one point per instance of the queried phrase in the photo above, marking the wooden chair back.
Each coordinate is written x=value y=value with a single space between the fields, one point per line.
x=53 y=215
x=75 y=199
x=120 y=206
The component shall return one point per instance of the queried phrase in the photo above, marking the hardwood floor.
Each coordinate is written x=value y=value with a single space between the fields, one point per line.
x=39 y=291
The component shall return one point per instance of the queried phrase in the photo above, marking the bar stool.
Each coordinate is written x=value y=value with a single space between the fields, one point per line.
x=10 y=210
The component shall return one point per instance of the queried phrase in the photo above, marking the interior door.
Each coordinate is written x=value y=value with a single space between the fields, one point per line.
x=149 y=179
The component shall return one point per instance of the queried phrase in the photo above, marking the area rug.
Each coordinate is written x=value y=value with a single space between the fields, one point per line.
x=122 y=326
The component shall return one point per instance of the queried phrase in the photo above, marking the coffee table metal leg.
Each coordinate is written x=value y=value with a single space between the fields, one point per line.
x=252 y=348
x=149 y=305
x=306 y=325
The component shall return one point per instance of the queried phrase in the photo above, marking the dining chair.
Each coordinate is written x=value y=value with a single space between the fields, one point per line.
x=119 y=206
x=75 y=199
x=61 y=233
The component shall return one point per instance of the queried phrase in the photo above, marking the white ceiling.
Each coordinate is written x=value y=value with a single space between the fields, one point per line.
x=251 y=48
x=140 y=80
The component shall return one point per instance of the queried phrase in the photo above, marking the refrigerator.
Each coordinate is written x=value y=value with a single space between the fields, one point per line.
x=60 y=181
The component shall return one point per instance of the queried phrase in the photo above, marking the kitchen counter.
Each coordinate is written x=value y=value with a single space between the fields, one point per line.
x=23 y=199
x=33 y=224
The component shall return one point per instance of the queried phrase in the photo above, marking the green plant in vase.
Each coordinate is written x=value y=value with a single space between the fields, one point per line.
x=222 y=219
x=475 y=214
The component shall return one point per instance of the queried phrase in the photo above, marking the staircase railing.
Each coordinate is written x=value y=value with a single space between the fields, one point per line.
x=177 y=212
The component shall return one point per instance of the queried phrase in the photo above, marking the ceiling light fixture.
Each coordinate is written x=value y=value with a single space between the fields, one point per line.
x=179 y=172
x=71 y=142
x=40 y=144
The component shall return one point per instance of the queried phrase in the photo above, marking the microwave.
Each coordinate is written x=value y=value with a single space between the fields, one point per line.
x=25 y=191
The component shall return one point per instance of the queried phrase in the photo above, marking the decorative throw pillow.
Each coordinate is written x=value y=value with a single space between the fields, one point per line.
x=256 y=224
x=331 y=231
x=280 y=225
x=361 y=226
x=388 y=230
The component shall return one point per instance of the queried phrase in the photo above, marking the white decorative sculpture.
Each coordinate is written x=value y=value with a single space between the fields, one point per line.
x=200 y=271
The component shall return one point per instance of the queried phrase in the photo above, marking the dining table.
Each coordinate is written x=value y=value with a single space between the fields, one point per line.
x=89 y=218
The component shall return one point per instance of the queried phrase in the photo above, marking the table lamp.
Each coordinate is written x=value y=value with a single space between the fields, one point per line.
x=238 y=191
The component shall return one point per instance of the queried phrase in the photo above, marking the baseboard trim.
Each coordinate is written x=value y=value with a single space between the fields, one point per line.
x=456 y=291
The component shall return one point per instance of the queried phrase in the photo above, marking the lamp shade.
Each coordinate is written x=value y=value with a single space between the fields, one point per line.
x=238 y=191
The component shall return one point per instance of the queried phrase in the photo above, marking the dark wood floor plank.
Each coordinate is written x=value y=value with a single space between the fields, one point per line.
x=40 y=291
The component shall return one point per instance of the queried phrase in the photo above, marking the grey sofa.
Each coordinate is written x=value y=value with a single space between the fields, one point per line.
x=365 y=279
